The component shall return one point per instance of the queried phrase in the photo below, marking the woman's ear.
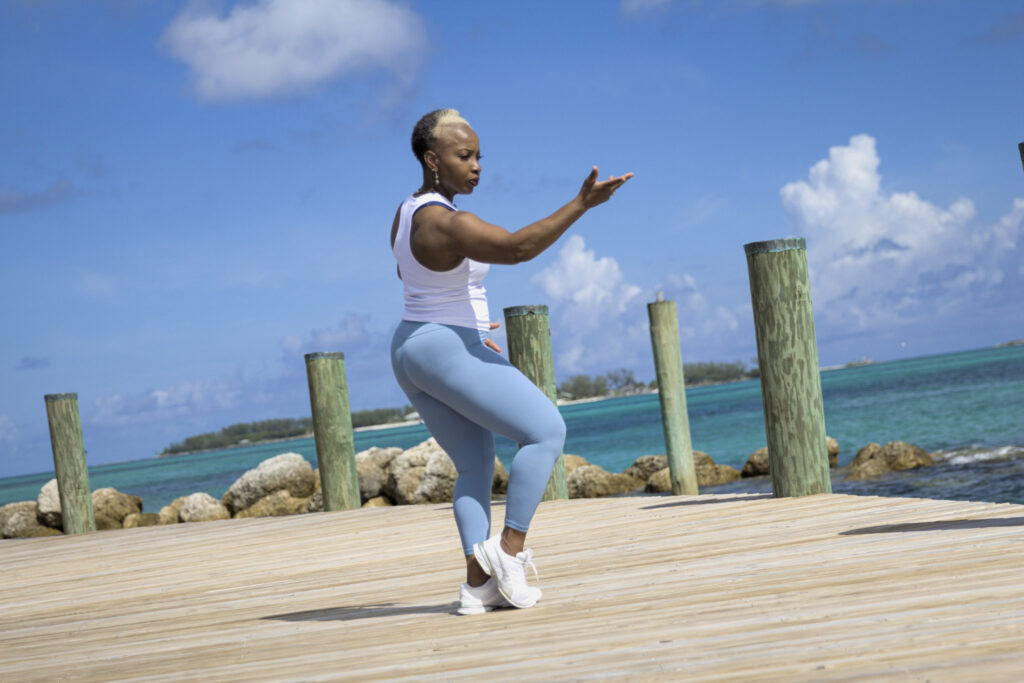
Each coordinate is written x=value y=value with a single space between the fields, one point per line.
x=430 y=159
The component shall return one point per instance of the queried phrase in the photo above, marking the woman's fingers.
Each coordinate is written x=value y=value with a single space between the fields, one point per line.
x=489 y=343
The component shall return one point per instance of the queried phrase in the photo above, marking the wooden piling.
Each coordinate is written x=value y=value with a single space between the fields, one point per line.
x=332 y=430
x=787 y=353
x=529 y=349
x=69 y=463
x=668 y=365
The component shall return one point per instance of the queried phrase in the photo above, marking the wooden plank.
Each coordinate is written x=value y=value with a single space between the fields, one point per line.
x=649 y=588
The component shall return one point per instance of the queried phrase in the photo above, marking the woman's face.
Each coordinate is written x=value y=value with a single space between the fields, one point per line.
x=457 y=153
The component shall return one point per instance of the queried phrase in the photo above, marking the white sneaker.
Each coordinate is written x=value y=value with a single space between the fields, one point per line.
x=483 y=598
x=510 y=572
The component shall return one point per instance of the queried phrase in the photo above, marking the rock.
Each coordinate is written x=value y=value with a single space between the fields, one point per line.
x=572 y=462
x=710 y=474
x=438 y=480
x=757 y=464
x=24 y=518
x=380 y=457
x=378 y=502
x=202 y=507
x=646 y=465
x=316 y=502
x=7 y=511
x=403 y=490
x=137 y=519
x=277 y=504
x=371 y=478
x=288 y=471
x=24 y=523
x=169 y=512
x=592 y=481
x=406 y=471
x=659 y=482
x=114 y=506
x=500 y=482
x=48 y=504
x=105 y=523
x=874 y=460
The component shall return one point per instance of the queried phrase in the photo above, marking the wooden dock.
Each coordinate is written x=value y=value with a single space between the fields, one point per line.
x=735 y=587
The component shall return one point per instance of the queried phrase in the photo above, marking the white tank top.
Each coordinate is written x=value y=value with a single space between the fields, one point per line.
x=449 y=297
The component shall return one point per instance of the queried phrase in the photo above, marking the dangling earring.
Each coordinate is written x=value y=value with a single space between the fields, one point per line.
x=437 y=179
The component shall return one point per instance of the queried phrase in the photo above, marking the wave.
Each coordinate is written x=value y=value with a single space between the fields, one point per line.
x=972 y=454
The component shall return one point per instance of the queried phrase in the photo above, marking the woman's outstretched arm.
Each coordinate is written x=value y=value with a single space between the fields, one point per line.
x=445 y=237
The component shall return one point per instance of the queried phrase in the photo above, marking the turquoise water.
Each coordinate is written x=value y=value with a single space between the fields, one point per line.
x=969 y=406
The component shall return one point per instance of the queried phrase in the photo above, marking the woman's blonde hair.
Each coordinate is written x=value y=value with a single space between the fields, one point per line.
x=424 y=133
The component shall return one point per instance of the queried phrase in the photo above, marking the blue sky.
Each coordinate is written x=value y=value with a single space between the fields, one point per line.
x=194 y=195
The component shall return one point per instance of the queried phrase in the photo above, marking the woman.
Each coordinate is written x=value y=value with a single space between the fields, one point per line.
x=463 y=391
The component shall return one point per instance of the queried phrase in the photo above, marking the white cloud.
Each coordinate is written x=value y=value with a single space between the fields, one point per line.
x=185 y=399
x=275 y=47
x=879 y=258
x=594 y=310
x=352 y=333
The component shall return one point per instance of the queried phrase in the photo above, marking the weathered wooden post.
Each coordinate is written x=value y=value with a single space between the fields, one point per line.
x=332 y=430
x=529 y=349
x=787 y=352
x=69 y=463
x=668 y=365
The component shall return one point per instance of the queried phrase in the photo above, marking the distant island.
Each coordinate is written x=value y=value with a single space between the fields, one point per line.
x=1014 y=342
x=576 y=388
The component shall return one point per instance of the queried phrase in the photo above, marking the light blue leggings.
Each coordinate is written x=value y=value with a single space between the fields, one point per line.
x=465 y=392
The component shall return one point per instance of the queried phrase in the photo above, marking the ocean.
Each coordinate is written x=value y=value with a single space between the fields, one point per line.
x=965 y=408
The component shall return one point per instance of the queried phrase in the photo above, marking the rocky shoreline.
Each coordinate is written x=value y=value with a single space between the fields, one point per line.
x=287 y=484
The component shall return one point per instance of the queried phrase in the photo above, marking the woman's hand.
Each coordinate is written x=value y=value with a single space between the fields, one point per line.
x=489 y=343
x=593 y=192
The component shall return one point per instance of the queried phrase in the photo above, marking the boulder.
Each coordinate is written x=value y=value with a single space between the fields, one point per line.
x=202 y=507
x=23 y=522
x=592 y=481
x=288 y=471
x=500 y=483
x=757 y=464
x=277 y=504
x=316 y=502
x=379 y=457
x=378 y=502
x=137 y=519
x=402 y=491
x=572 y=462
x=48 y=504
x=708 y=474
x=874 y=460
x=711 y=474
x=113 y=506
x=169 y=512
x=438 y=480
x=646 y=465
x=659 y=482
x=23 y=513
x=406 y=471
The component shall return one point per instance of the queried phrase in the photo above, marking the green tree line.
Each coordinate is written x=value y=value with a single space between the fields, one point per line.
x=279 y=428
x=623 y=382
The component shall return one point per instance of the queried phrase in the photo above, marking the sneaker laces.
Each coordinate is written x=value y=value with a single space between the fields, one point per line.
x=526 y=559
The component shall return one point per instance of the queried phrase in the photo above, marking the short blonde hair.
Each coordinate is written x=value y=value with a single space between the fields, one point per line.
x=424 y=133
